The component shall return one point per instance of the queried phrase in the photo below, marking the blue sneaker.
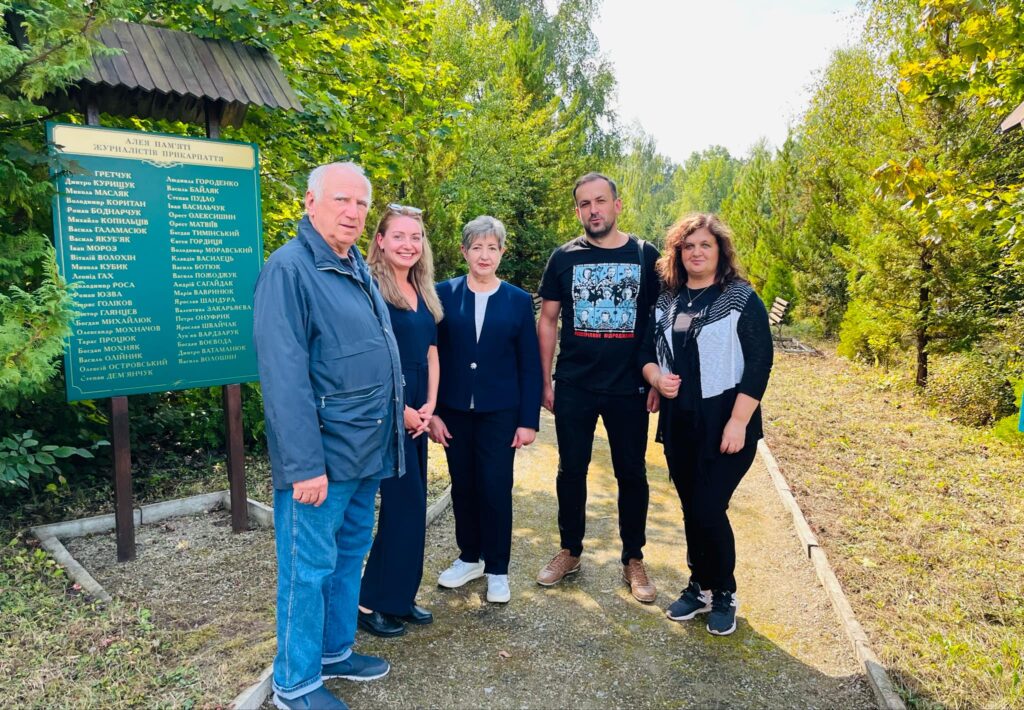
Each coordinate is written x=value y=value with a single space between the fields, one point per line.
x=722 y=620
x=319 y=699
x=691 y=602
x=357 y=667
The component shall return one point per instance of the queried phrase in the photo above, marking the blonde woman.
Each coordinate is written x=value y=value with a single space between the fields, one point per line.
x=402 y=264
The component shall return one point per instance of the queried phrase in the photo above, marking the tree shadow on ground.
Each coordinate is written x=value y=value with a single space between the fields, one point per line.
x=587 y=642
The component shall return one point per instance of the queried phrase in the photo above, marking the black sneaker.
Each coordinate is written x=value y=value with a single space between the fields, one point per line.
x=691 y=602
x=722 y=620
x=356 y=667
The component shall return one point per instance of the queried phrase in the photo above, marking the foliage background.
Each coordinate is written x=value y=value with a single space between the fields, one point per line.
x=890 y=217
x=461 y=108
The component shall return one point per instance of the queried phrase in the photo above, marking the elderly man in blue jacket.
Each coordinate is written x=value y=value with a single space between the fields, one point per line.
x=332 y=394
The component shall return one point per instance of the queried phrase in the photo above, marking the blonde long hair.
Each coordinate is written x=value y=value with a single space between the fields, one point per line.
x=421 y=275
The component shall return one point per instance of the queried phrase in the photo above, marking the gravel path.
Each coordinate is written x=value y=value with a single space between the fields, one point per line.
x=587 y=643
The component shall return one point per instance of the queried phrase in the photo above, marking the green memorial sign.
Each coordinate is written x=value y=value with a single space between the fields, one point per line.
x=161 y=236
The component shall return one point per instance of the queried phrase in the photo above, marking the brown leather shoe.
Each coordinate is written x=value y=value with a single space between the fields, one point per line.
x=635 y=575
x=560 y=565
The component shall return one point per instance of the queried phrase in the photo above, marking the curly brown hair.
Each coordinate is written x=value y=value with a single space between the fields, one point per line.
x=670 y=264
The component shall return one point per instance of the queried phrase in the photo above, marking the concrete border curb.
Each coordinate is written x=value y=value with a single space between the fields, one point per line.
x=439 y=506
x=885 y=695
x=253 y=697
x=49 y=535
x=77 y=572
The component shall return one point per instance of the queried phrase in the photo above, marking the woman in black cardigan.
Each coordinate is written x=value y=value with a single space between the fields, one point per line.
x=488 y=404
x=709 y=352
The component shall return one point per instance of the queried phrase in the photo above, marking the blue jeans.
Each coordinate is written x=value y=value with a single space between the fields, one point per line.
x=320 y=555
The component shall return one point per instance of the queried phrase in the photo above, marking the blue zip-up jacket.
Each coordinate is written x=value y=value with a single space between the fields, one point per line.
x=501 y=369
x=328 y=364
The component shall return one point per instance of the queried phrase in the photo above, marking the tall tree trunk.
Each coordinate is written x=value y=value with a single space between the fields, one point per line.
x=924 y=307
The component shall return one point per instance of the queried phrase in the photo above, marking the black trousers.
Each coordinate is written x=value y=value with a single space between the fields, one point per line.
x=705 y=485
x=394 y=567
x=480 y=461
x=625 y=419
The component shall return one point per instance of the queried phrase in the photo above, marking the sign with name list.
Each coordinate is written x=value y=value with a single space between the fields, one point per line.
x=161 y=239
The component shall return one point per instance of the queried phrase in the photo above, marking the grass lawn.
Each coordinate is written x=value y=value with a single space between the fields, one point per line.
x=923 y=520
x=62 y=650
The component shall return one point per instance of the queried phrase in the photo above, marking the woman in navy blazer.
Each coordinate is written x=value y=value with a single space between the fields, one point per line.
x=488 y=404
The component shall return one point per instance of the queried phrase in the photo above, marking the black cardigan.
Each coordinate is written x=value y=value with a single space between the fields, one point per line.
x=739 y=316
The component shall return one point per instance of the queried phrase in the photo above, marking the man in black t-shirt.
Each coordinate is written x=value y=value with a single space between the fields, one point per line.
x=603 y=285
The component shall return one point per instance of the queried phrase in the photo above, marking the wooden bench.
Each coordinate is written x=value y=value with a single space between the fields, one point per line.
x=777 y=313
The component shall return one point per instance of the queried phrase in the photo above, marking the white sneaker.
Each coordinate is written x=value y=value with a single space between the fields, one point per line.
x=461 y=572
x=497 y=588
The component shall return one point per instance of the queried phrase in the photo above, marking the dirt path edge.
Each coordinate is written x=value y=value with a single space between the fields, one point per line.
x=878 y=677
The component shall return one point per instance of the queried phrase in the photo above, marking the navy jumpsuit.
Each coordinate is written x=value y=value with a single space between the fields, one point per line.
x=395 y=565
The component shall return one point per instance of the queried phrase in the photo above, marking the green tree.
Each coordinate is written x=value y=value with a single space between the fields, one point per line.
x=957 y=179
x=706 y=179
x=646 y=181
x=578 y=73
x=761 y=213
x=362 y=71
x=515 y=148
x=846 y=132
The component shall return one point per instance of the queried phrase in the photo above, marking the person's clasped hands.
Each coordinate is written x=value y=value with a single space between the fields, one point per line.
x=417 y=421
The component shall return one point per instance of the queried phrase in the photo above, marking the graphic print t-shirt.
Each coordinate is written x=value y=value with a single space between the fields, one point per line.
x=605 y=308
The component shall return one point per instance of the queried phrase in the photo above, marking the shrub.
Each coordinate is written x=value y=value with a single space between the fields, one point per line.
x=33 y=325
x=1007 y=429
x=22 y=458
x=187 y=420
x=869 y=334
x=970 y=387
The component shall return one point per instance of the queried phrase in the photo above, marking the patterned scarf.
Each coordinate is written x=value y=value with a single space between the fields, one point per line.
x=733 y=298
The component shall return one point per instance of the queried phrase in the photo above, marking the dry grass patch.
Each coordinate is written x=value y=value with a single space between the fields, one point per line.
x=61 y=650
x=437 y=472
x=923 y=520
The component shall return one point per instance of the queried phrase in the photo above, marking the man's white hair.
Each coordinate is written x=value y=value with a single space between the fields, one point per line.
x=315 y=183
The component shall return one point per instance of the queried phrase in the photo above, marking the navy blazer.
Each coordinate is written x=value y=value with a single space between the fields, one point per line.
x=502 y=370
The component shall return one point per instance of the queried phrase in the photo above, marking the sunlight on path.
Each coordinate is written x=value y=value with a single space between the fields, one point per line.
x=587 y=643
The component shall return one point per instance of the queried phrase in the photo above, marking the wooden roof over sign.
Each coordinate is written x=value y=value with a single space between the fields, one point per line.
x=161 y=73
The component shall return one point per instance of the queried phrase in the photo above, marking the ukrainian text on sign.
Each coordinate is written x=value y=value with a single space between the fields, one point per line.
x=161 y=238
